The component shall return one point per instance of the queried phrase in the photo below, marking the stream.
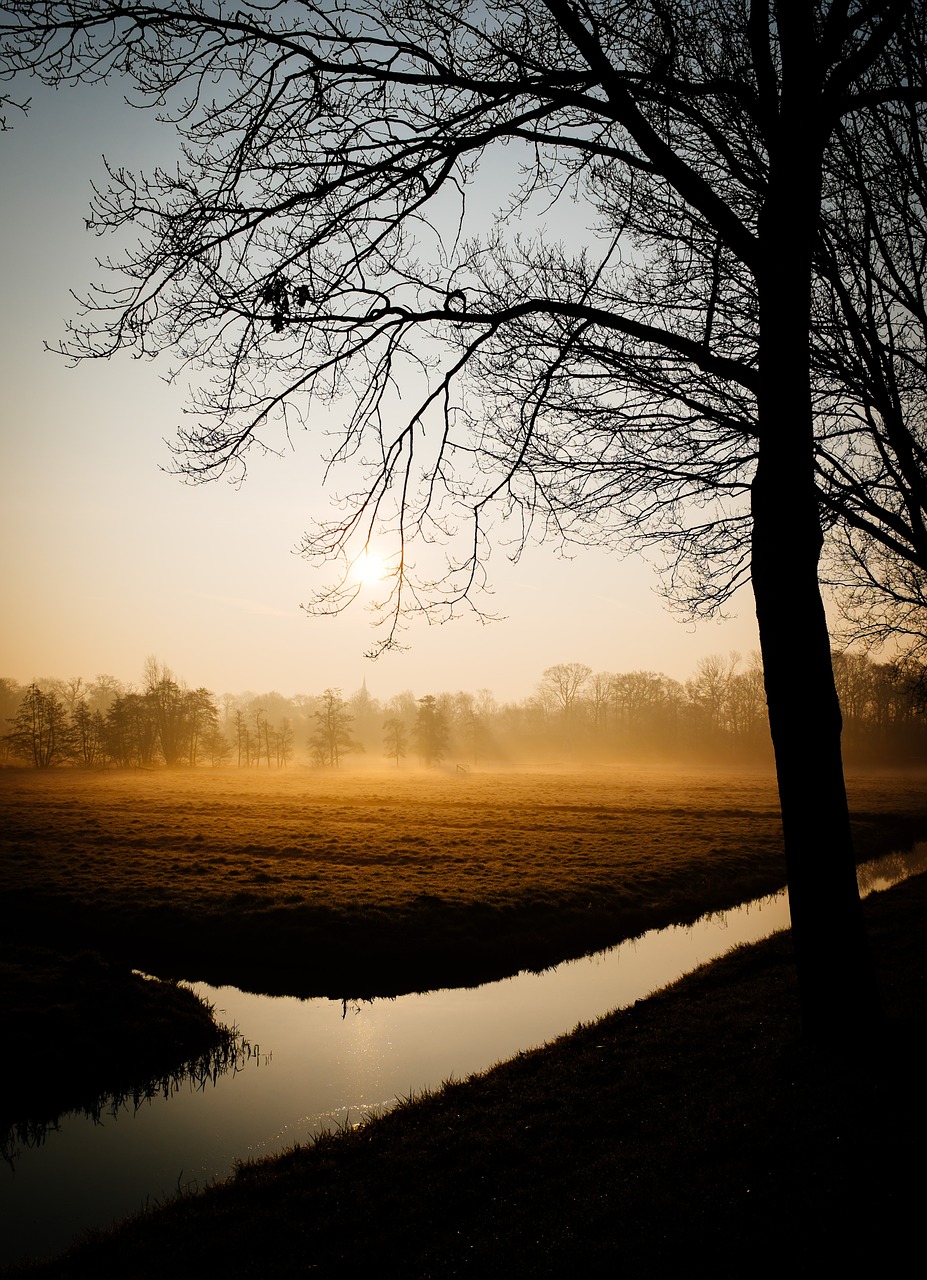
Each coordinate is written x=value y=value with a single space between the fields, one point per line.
x=319 y=1063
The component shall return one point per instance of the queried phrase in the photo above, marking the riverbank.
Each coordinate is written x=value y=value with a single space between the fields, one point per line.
x=84 y=1032
x=693 y=1129
x=315 y=883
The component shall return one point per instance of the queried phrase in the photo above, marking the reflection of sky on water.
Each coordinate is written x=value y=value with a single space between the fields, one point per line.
x=320 y=1064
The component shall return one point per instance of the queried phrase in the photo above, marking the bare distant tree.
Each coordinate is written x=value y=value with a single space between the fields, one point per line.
x=431 y=732
x=167 y=700
x=746 y=704
x=102 y=692
x=643 y=700
x=285 y=741
x=87 y=736
x=41 y=731
x=11 y=694
x=241 y=736
x=217 y=746
x=258 y=739
x=202 y=721
x=130 y=731
x=600 y=698
x=332 y=738
x=708 y=691
x=564 y=682
x=395 y=739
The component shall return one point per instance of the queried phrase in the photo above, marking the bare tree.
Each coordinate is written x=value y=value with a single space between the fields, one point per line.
x=217 y=746
x=202 y=722
x=669 y=379
x=168 y=702
x=872 y=334
x=130 y=731
x=601 y=686
x=11 y=694
x=87 y=735
x=431 y=731
x=471 y=725
x=40 y=731
x=240 y=723
x=564 y=682
x=641 y=700
x=709 y=690
x=285 y=741
x=332 y=738
x=102 y=693
x=746 y=704
x=259 y=716
x=395 y=738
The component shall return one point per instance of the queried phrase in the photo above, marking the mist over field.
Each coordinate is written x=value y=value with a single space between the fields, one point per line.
x=575 y=718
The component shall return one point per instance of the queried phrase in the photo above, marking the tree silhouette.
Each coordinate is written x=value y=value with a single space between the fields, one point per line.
x=873 y=332
x=285 y=740
x=130 y=731
x=202 y=721
x=564 y=682
x=394 y=738
x=168 y=702
x=430 y=733
x=332 y=738
x=87 y=742
x=41 y=732
x=669 y=379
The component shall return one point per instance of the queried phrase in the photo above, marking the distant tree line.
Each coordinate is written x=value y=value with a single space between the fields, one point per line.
x=575 y=715
x=102 y=723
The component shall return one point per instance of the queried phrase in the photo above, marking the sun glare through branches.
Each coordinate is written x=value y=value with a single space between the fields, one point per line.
x=369 y=569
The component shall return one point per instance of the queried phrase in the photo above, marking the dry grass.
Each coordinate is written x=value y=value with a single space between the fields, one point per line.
x=370 y=882
x=383 y=839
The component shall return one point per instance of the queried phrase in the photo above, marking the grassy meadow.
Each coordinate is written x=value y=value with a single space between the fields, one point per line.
x=314 y=882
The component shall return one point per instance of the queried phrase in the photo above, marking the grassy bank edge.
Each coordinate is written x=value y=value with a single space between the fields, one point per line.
x=85 y=1033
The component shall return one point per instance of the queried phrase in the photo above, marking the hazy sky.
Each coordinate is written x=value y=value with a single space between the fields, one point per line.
x=108 y=559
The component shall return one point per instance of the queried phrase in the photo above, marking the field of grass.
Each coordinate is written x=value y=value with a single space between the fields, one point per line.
x=364 y=883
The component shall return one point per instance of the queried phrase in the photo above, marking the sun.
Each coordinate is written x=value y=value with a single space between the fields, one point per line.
x=369 y=569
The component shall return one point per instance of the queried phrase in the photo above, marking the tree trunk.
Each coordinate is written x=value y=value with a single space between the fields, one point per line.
x=836 y=983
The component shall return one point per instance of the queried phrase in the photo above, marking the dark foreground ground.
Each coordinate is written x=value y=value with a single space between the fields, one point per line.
x=116 y=1033
x=691 y=1134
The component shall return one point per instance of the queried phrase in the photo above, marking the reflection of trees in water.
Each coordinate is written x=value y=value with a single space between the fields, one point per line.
x=882 y=873
x=229 y=1056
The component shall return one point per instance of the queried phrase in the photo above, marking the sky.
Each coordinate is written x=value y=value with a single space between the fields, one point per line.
x=108 y=558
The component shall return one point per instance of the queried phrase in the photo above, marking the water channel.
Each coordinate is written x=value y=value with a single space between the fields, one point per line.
x=318 y=1063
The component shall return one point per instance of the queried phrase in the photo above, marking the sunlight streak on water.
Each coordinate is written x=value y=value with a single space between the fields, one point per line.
x=323 y=1065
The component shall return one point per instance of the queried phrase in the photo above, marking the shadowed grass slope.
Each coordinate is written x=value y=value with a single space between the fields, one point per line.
x=78 y=1030
x=689 y=1133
